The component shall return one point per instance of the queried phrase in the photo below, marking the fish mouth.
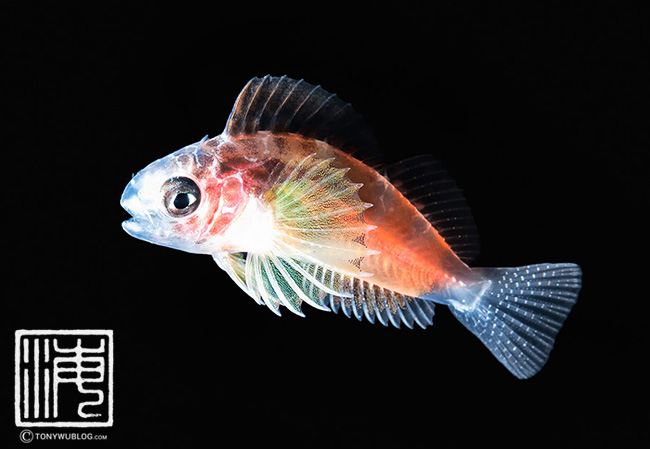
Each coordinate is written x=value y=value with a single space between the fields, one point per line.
x=132 y=227
x=139 y=230
x=129 y=203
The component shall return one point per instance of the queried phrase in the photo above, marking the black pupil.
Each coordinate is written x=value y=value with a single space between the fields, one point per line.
x=181 y=201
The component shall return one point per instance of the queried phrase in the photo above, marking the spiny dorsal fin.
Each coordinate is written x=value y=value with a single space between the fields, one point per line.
x=428 y=186
x=283 y=105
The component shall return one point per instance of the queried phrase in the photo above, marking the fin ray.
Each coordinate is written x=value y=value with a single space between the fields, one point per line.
x=382 y=305
x=275 y=280
x=318 y=210
x=283 y=105
x=520 y=311
x=428 y=186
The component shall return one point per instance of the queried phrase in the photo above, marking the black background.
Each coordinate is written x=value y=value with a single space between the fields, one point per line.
x=537 y=109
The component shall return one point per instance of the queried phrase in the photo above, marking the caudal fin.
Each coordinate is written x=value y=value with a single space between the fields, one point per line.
x=520 y=312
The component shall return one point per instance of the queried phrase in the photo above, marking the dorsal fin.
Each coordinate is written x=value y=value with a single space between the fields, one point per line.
x=283 y=105
x=428 y=186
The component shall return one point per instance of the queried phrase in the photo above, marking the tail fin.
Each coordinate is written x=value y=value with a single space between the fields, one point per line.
x=520 y=311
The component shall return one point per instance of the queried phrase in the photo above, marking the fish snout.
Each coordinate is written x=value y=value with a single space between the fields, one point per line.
x=131 y=203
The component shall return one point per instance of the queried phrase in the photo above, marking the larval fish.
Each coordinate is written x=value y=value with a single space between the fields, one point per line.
x=292 y=202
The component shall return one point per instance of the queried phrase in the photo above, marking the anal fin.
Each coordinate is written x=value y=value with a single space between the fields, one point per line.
x=378 y=304
x=288 y=282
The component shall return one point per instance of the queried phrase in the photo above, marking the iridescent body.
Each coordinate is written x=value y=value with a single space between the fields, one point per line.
x=287 y=207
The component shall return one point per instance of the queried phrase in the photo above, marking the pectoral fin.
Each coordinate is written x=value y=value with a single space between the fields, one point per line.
x=275 y=281
x=319 y=216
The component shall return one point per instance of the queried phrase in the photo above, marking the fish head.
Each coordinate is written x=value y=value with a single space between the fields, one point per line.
x=183 y=201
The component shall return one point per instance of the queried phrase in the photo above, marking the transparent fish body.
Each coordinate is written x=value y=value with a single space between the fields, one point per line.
x=291 y=202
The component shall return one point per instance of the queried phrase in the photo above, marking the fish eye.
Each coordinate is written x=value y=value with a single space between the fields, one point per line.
x=181 y=196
